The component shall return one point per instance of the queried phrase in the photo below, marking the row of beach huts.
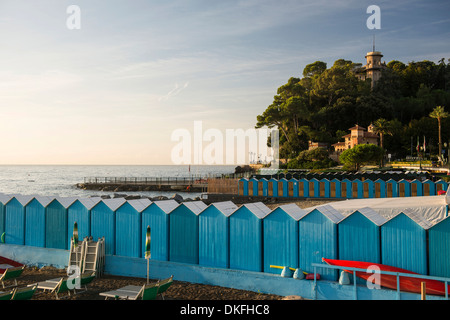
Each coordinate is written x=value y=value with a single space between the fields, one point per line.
x=223 y=235
x=339 y=188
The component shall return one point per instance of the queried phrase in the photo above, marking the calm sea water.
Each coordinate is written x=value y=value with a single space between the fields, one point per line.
x=50 y=180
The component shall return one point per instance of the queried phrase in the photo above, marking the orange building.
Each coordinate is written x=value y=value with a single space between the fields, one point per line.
x=358 y=135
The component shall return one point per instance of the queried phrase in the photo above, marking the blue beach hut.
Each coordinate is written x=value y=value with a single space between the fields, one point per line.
x=253 y=187
x=403 y=242
x=4 y=198
x=368 y=189
x=324 y=188
x=314 y=188
x=15 y=219
x=243 y=187
x=128 y=228
x=292 y=188
x=439 y=248
x=183 y=235
x=380 y=188
x=429 y=188
x=80 y=212
x=214 y=234
x=303 y=188
x=262 y=187
x=156 y=215
x=272 y=187
x=335 y=188
x=246 y=236
x=416 y=188
x=359 y=236
x=282 y=187
x=346 y=188
x=56 y=222
x=441 y=185
x=391 y=188
x=35 y=224
x=103 y=222
x=404 y=188
x=280 y=237
x=357 y=189
x=318 y=239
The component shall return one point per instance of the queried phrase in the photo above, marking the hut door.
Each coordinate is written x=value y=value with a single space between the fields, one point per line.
x=343 y=190
x=260 y=188
x=250 y=188
x=300 y=189
x=280 y=188
x=389 y=190
x=413 y=189
x=311 y=189
x=426 y=189
x=241 y=188
x=377 y=190
x=291 y=188
x=322 y=189
x=438 y=187
x=366 y=190
x=270 y=188
x=401 y=190
x=333 y=189
x=354 y=190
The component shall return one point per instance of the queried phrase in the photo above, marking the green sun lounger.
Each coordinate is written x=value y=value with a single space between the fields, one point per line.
x=145 y=292
x=11 y=273
x=25 y=293
x=164 y=285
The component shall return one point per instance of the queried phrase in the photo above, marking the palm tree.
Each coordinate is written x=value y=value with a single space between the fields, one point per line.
x=439 y=113
x=382 y=127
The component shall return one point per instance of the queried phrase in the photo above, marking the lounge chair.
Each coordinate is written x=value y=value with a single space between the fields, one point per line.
x=86 y=278
x=56 y=286
x=145 y=292
x=11 y=273
x=164 y=285
x=24 y=293
x=6 y=295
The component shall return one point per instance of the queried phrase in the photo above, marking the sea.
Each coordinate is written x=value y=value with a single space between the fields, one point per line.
x=61 y=180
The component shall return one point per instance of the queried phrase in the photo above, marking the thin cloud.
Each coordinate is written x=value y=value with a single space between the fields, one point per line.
x=175 y=91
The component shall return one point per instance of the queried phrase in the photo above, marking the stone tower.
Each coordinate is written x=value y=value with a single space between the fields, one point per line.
x=374 y=66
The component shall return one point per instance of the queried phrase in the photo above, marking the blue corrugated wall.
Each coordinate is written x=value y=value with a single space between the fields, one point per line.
x=35 y=224
x=439 y=249
x=56 y=226
x=103 y=224
x=317 y=240
x=213 y=238
x=14 y=222
x=128 y=232
x=280 y=250
x=158 y=221
x=403 y=244
x=78 y=213
x=183 y=235
x=245 y=240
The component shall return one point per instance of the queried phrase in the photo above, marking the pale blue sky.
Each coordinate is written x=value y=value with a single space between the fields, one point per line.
x=115 y=90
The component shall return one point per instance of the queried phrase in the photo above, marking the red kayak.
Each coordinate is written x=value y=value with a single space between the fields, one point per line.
x=6 y=263
x=408 y=284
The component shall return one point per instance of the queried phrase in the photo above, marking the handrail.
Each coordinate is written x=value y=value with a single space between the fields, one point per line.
x=397 y=274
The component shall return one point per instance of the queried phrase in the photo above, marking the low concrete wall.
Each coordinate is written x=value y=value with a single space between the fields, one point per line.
x=237 y=279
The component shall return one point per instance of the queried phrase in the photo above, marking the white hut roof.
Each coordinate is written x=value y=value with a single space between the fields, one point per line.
x=416 y=218
x=294 y=211
x=23 y=199
x=259 y=209
x=372 y=215
x=66 y=201
x=89 y=203
x=195 y=206
x=115 y=203
x=166 y=205
x=140 y=204
x=331 y=213
x=44 y=200
x=226 y=207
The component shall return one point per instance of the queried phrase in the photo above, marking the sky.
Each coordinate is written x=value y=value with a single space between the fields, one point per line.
x=114 y=89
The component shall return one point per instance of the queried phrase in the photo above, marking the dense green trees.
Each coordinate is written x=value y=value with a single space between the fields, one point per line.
x=325 y=102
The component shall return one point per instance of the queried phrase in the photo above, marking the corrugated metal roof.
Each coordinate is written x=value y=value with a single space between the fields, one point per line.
x=195 y=206
x=140 y=204
x=115 y=203
x=416 y=218
x=166 y=205
x=89 y=203
x=66 y=201
x=372 y=215
x=259 y=209
x=331 y=213
x=226 y=207
x=294 y=211
x=23 y=199
x=44 y=201
x=4 y=198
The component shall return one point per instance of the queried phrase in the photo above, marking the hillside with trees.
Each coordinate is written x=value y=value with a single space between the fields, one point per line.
x=324 y=103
